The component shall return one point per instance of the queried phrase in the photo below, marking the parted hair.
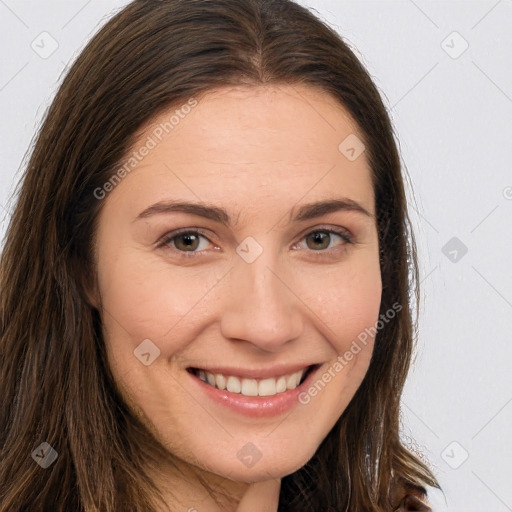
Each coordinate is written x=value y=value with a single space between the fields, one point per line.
x=55 y=385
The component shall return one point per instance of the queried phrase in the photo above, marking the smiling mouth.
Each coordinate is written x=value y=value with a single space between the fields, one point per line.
x=254 y=387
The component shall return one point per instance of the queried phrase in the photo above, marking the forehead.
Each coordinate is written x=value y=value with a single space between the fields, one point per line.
x=273 y=118
x=252 y=142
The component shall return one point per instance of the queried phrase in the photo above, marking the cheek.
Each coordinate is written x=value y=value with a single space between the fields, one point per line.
x=144 y=298
x=345 y=300
x=346 y=309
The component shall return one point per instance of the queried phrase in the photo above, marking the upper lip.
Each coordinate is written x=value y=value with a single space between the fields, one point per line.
x=255 y=373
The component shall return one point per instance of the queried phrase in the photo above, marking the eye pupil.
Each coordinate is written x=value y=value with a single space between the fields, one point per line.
x=319 y=237
x=189 y=244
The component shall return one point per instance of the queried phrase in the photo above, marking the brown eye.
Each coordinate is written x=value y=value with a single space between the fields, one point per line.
x=189 y=243
x=186 y=242
x=320 y=240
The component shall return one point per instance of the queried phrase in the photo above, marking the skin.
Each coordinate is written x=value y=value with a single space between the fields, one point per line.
x=260 y=153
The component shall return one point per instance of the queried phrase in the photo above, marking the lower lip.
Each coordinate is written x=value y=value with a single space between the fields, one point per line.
x=255 y=406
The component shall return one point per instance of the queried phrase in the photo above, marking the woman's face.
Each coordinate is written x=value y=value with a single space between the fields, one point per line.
x=212 y=255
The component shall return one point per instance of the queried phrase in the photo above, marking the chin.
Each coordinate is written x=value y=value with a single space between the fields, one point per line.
x=274 y=466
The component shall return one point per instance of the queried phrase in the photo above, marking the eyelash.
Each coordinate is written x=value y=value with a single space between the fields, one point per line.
x=169 y=237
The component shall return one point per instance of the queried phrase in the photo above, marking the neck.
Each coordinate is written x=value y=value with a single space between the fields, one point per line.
x=182 y=486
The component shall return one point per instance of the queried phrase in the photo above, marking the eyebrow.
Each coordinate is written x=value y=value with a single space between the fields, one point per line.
x=217 y=214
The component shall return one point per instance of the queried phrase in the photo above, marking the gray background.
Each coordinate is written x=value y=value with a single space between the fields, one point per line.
x=452 y=111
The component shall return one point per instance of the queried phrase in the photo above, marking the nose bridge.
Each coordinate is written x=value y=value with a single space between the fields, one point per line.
x=261 y=309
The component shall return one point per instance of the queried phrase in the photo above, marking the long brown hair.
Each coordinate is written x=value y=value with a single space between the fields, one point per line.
x=55 y=384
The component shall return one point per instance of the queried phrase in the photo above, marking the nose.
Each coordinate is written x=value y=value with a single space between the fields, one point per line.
x=260 y=305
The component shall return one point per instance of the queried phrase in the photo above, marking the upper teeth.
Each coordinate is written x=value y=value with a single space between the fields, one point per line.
x=252 y=387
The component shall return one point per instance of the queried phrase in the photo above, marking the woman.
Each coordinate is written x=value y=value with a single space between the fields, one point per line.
x=205 y=282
